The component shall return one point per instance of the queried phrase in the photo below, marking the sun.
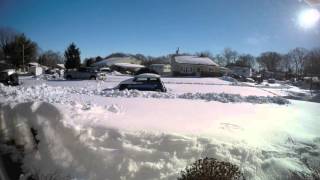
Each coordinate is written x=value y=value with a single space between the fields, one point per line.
x=309 y=18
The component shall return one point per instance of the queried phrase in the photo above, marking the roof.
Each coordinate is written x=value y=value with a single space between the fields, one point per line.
x=61 y=66
x=195 y=60
x=33 y=64
x=128 y=65
x=148 y=75
x=114 y=60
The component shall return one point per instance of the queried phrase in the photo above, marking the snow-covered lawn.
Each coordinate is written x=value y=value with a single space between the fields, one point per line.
x=87 y=132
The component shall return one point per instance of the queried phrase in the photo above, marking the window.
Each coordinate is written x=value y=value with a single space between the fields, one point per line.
x=141 y=79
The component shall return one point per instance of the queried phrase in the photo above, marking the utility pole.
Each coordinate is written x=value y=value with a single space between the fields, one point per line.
x=23 y=57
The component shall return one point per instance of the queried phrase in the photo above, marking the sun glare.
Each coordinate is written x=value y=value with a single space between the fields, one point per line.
x=309 y=18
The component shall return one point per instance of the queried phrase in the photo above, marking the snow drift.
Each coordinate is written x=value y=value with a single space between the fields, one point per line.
x=87 y=151
x=61 y=94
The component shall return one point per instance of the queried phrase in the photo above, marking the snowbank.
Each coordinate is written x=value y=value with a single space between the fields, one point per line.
x=71 y=149
x=87 y=133
x=60 y=95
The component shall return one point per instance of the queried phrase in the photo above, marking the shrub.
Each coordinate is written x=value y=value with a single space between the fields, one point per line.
x=210 y=168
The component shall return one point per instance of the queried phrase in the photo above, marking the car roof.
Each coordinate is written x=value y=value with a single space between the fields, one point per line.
x=148 y=75
x=9 y=71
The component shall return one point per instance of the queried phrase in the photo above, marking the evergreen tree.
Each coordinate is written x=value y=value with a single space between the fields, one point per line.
x=72 y=55
x=21 y=51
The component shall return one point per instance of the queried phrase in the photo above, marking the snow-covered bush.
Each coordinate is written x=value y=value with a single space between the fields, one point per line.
x=210 y=168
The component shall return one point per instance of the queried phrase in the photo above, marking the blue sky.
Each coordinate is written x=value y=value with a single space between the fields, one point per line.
x=158 y=27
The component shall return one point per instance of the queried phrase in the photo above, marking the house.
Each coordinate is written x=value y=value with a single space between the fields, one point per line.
x=35 y=68
x=241 y=71
x=161 y=69
x=193 y=66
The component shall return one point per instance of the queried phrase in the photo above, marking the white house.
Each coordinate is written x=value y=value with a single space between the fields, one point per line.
x=162 y=69
x=193 y=66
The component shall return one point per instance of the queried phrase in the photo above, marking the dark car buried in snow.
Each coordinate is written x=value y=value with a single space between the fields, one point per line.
x=143 y=82
x=9 y=77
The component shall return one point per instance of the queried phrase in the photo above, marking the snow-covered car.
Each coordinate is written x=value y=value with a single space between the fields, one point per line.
x=9 y=77
x=144 y=82
x=105 y=69
x=271 y=81
x=84 y=73
x=250 y=80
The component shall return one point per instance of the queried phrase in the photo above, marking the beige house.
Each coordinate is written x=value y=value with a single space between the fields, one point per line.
x=193 y=66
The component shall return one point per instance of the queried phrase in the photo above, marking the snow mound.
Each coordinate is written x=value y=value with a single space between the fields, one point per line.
x=71 y=149
x=61 y=95
x=220 y=97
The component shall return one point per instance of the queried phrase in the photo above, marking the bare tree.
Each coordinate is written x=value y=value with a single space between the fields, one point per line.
x=230 y=55
x=312 y=63
x=50 y=58
x=298 y=57
x=220 y=60
x=270 y=61
x=205 y=54
x=286 y=63
x=7 y=35
x=246 y=60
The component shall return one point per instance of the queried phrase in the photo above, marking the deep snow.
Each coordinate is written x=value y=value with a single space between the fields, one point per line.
x=88 y=133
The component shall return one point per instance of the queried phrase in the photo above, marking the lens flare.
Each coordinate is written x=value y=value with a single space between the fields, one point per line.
x=309 y=18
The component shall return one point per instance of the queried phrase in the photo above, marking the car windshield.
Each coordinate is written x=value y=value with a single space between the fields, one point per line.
x=141 y=79
x=160 y=89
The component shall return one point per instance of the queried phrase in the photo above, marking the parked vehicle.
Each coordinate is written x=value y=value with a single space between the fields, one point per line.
x=144 y=82
x=238 y=77
x=9 y=77
x=271 y=81
x=105 y=69
x=250 y=80
x=84 y=73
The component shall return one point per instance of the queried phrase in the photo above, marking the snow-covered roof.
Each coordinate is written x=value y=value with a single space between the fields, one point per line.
x=195 y=60
x=128 y=65
x=114 y=60
x=61 y=66
x=148 y=75
x=33 y=64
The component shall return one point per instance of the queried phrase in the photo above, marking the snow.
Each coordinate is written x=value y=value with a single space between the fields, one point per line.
x=195 y=60
x=128 y=65
x=114 y=60
x=87 y=132
x=148 y=75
